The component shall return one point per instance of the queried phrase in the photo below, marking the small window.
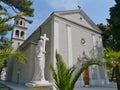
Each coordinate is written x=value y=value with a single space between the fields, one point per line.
x=17 y=33
x=17 y=22
x=80 y=18
x=20 y=22
x=22 y=34
x=18 y=43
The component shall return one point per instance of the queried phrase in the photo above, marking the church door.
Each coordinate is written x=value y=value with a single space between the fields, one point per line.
x=85 y=75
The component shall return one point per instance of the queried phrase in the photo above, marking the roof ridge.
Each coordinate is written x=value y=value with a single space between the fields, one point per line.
x=67 y=11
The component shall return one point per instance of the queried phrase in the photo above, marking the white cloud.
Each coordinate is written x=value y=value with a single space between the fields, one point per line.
x=63 y=4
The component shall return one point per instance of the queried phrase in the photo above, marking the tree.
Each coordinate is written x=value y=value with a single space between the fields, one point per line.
x=65 y=78
x=107 y=41
x=4 y=28
x=113 y=59
x=114 y=52
x=18 y=8
x=112 y=55
x=114 y=23
x=10 y=9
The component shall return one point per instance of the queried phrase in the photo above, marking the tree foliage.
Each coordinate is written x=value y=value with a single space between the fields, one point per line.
x=5 y=43
x=113 y=59
x=107 y=41
x=65 y=78
x=111 y=31
x=114 y=23
x=10 y=9
x=112 y=55
x=7 y=53
x=18 y=6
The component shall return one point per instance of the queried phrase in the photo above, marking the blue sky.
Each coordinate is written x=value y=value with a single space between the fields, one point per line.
x=97 y=10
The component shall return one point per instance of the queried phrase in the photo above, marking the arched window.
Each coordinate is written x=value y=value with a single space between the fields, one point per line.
x=17 y=33
x=22 y=34
x=18 y=43
x=17 y=22
x=20 y=22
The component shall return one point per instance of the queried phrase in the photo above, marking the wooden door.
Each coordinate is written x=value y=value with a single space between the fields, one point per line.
x=85 y=75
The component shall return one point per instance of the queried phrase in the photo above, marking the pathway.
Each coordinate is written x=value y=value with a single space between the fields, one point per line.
x=15 y=86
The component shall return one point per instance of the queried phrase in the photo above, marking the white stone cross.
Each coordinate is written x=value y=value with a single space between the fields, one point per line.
x=44 y=38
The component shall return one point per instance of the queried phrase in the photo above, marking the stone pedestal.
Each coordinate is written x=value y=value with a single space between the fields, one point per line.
x=39 y=85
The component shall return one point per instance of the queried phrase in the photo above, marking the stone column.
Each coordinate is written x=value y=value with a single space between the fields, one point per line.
x=98 y=76
x=90 y=75
x=106 y=77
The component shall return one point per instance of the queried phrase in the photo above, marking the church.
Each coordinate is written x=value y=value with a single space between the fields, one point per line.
x=72 y=33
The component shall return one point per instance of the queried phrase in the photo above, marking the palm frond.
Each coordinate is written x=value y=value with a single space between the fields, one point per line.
x=54 y=73
x=8 y=52
x=62 y=72
x=71 y=71
x=112 y=58
x=65 y=78
x=19 y=56
x=81 y=69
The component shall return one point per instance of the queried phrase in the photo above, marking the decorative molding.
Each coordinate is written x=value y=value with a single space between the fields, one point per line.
x=69 y=43
x=17 y=39
x=54 y=40
x=56 y=35
x=21 y=27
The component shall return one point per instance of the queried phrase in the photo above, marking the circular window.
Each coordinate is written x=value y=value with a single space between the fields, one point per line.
x=83 y=41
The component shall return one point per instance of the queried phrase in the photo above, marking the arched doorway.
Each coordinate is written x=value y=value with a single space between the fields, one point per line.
x=85 y=75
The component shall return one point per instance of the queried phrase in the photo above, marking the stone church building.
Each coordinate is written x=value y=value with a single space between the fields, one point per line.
x=72 y=33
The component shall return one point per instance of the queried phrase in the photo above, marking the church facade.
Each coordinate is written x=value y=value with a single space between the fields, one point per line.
x=74 y=35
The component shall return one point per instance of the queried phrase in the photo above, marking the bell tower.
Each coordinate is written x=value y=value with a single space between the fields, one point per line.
x=18 y=32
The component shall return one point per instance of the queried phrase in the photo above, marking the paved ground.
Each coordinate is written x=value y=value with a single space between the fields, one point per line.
x=3 y=87
x=96 y=88
x=15 y=86
x=111 y=86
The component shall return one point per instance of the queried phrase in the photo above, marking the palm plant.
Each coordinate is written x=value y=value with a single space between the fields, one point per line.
x=65 y=78
x=10 y=53
x=112 y=59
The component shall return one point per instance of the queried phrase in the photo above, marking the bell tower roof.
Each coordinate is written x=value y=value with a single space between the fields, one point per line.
x=20 y=22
